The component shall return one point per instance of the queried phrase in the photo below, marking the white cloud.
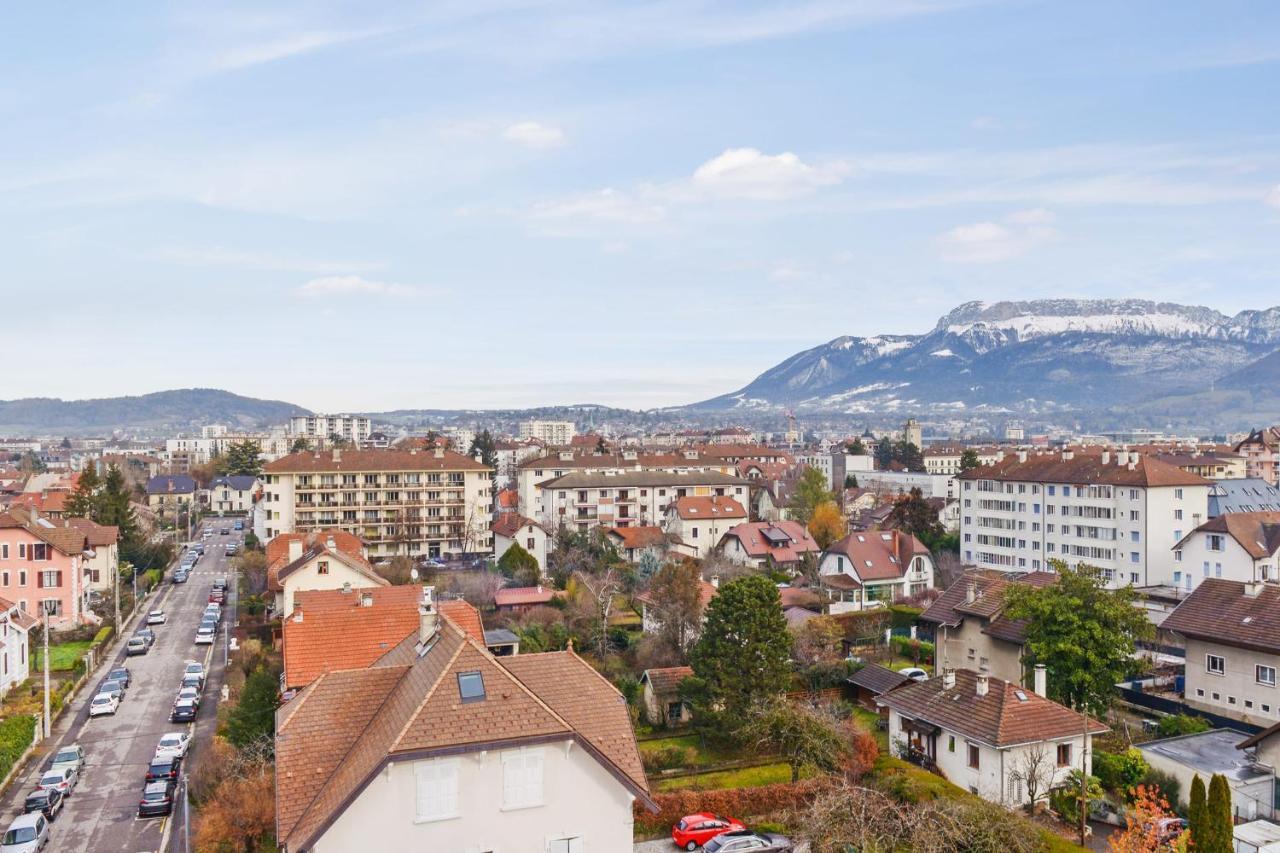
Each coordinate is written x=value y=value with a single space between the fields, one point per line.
x=218 y=256
x=285 y=46
x=749 y=173
x=533 y=134
x=992 y=242
x=606 y=205
x=1273 y=197
x=354 y=285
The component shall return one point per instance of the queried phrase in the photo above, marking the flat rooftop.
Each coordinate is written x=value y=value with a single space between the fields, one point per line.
x=1209 y=752
x=1258 y=832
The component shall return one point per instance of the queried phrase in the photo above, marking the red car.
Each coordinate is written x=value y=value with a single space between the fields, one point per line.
x=695 y=830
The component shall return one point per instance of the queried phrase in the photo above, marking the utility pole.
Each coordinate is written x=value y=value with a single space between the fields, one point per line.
x=44 y=611
x=115 y=586
x=186 y=818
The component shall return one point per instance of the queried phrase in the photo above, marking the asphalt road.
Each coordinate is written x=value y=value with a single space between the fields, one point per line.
x=101 y=815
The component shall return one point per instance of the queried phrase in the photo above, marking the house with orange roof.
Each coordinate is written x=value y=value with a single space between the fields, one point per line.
x=512 y=527
x=634 y=542
x=874 y=568
x=440 y=745
x=316 y=562
x=701 y=521
x=769 y=544
x=42 y=565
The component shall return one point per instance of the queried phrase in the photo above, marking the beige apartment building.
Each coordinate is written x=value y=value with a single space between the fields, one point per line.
x=426 y=503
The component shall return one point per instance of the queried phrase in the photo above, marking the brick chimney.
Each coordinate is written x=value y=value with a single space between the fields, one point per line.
x=981 y=683
x=428 y=619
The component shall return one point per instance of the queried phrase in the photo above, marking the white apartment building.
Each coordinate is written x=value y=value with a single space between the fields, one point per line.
x=350 y=428
x=630 y=498
x=182 y=453
x=1122 y=513
x=945 y=459
x=416 y=502
x=554 y=433
x=1238 y=546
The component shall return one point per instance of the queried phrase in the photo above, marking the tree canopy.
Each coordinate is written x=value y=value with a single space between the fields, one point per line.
x=811 y=491
x=912 y=514
x=82 y=502
x=1083 y=632
x=253 y=719
x=519 y=565
x=242 y=458
x=827 y=524
x=484 y=447
x=676 y=595
x=969 y=460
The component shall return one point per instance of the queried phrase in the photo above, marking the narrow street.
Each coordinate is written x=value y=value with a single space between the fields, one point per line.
x=101 y=815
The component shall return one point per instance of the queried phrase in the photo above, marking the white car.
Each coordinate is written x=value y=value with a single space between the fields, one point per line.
x=194 y=667
x=156 y=617
x=62 y=780
x=103 y=703
x=188 y=694
x=915 y=673
x=27 y=834
x=173 y=744
x=205 y=636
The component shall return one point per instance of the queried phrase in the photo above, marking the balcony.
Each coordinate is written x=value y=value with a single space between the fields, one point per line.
x=921 y=759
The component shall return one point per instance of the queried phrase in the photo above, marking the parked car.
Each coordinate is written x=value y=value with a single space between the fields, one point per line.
x=146 y=634
x=136 y=646
x=231 y=549
x=188 y=693
x=103 y=704
x=156 y=617
x=47 y=801
x=70 y=755
x=226 y=531
x=173 y=743
x=27 y=834
x=212 y=611
x=216 y=596
x=165 y=767
x=157 y=798
x=205 y=636
x=915 y=673
x=180 y=576
x=111 y=688
x=745 y=840
x=120 y=673
x=183 y=712
x=193 y=680
x=695 y=830
x=220 y=583
x=194 y=667
x=63 y=780
x=239 y=525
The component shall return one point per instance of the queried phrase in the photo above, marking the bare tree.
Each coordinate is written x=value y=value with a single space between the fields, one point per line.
x=601 y=588
x=1034 y=768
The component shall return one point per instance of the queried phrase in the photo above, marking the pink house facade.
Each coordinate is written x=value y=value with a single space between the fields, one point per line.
x=41 y=561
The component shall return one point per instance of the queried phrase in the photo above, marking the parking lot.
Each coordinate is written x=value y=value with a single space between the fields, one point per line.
x=101 y=813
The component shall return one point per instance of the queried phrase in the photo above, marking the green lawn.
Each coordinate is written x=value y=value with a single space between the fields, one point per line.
x=700 y=756
x=62 y=656
x=869 y=721
x=746 y=777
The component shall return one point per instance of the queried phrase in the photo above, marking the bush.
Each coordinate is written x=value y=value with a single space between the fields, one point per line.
x=1119 y=771
x=822 y=675
x=16 y=734
x=104 y=634
x=904 y=616
x=744 y=803
x=1167 y=783
x=863 y=754
x=1182 y=724
x=920 y=651
x=667 y=758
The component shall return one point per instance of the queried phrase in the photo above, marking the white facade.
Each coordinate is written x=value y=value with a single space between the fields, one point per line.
x=1234 y=682
x=1208 y=554
x=225 y=497
x=324 y=571
x=623 y=503
x=1128 y=532
x=350 y=428
x=531 y=537
x=550 y=798
x=554 y=433
x=15 y=647
x=902 y=482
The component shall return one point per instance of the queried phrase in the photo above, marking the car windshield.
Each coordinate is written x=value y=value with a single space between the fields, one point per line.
x=51 y=779
x=20 y=835
x=67 y=755
x=136 y=641
x=157 y=794
x=38 y=798
x=171 y=740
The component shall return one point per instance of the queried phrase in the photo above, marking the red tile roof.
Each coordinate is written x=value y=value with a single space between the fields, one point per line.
x=641 y=536
x=373 y=460
x=342 y=540
x=523 y=596
x=988 y=605
x=666 y=679
x=1258 y=533
x=783 y=542
x=693 y=508
x=509 y=524
x=879 y=554
x=1223 y=611
x=1085 y=470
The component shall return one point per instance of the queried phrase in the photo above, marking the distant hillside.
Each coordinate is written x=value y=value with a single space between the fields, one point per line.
x=182 y=409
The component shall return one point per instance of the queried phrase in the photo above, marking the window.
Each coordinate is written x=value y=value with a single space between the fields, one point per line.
x=951 y=743
x=1215 y=664
x=471 y=687
x=50 y=578
x=1177 y=494
x=1064 y=755
x=437 y=782
x=1265 y=675
x=693 y=533
x=1214 y=542
x=974 y=754
x=39 y=551
x=1177 y=515
x=574 y=844
x=1134 y=536
x=322 y=567
x=521 y=778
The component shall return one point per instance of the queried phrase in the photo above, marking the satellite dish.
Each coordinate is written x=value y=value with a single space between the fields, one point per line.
x=413 y=573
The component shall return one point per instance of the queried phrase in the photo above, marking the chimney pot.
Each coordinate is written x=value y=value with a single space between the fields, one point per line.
x=295 y=549
x=366 y=599
x=948 y=679
x=428 y=618
x=1106 y=457
x=971 y=592
x=439 y=452
x=1041 y=680
x=337 y=454
x=982 y=685
x=346 y=588
x=715 y=581
x=1022 y=456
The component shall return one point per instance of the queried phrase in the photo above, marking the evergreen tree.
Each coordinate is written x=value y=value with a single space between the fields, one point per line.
x=1195 y=812
x=741 y=656
x=113 y=507
x=300 y=445
x=520 y=565
x=253 y=719
x=484 y=446
x=912 y=514
x=969 y=460
x=884 y=453
x=1217 y=833
x=856 y=448
x=243 y=459
x=82 y=502
x=909 y=455
x=850 y=481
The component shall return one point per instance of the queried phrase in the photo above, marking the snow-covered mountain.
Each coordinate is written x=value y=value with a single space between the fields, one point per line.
x=1038 y=356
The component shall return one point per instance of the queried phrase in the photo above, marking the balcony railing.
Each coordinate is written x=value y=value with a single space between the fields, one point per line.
x=921 y=759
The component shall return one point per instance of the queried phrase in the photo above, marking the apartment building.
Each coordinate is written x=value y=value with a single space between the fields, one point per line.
x=730 y=460
x=1120 y=512
x=182 y=453
x=701 y=522
x=630 y=498
x=554 y=433
x=42 y=566
x=1261 y=452
x=351 y=428
x=945 y=459
x=415 y=502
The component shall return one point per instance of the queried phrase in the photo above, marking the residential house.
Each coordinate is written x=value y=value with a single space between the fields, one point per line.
x=1261 y=452
x=634 y=498
x=1216 y=752
x=425 y=503
x=1211 y=466
x=319 y=562
x=42 y=565
x=167 y=494
x=235 y=493
x=1238 y=546
x=518 y=599
x=1121 y=513
x=661 y=696
x=970 y=629
x=336 y=629
x=765 y=545
x=1232 y=633
x=986 y=734
x=442 y=746
x=102 y=559
x=873 y=568
x=512 y=527
x=700 y=522
x=15 y=644
x=634 y=542
x=1263 y=747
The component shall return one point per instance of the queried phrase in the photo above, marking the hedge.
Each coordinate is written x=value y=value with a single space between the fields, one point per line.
x=16 y=734
x=904 y=615
x=104 y=634
x=763 y=801
x=905 y=646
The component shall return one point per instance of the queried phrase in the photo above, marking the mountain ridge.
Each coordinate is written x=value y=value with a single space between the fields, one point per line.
x=176 y=409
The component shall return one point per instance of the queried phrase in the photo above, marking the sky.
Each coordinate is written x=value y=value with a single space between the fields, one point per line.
x=508 y=203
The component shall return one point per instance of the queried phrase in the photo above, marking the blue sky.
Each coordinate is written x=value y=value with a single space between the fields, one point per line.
x=496 y=203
